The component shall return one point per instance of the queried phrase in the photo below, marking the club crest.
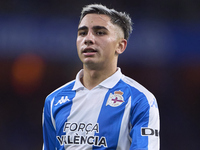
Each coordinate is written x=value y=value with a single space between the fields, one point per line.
x=115 y=99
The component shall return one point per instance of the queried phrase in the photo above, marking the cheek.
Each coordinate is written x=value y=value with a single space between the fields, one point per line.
x=109 y=46
x=78 y=44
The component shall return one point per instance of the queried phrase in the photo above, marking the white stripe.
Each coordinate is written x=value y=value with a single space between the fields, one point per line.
x=43 y=117
x=124 y=142
x=52 y=119
x=154 y=124
x=85 y=110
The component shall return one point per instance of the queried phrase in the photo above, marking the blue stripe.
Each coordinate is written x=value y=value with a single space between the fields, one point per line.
x=139 y=118
x=62 y=111
x=110 y=118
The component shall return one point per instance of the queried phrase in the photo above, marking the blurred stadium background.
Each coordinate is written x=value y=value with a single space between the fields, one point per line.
x=38 y=54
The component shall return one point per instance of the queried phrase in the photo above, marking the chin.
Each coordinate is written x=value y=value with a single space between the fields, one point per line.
x=91 y=65
x=88 y=61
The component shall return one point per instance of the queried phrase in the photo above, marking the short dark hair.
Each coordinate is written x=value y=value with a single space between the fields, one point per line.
x=121 y=19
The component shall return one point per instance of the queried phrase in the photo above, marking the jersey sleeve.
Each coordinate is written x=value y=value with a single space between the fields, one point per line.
x=144 y=120
x=49 y=133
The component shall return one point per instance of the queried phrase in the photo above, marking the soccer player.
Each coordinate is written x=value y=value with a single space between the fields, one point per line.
x=101 y=108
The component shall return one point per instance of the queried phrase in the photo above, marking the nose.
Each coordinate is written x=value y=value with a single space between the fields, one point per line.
x=89 y=39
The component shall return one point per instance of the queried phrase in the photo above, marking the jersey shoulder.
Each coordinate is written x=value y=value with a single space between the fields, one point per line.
x=135 y=86
x=67 y=86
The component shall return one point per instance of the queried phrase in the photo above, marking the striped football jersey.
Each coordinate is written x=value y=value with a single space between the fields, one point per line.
x=118 y=114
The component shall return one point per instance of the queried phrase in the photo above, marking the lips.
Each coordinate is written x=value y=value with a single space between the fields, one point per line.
x=89 y=50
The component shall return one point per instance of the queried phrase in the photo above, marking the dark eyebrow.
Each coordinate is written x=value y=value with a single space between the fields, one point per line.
x=82 y=28
x=94 y=28
x=99 y=27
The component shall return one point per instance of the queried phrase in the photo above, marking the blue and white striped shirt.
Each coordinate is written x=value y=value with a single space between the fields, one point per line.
x=118 y=114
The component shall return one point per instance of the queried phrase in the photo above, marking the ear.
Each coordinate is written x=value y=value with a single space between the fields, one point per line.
x=121 y=46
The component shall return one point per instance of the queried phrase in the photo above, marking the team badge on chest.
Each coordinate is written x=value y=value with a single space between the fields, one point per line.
x=115 y=99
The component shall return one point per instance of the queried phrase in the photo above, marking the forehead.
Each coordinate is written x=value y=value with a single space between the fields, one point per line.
x=96 y=20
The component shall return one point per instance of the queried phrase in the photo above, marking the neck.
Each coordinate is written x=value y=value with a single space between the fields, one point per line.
x=94 y=77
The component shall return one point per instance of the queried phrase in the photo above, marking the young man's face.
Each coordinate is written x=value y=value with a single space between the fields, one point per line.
x=98 y=41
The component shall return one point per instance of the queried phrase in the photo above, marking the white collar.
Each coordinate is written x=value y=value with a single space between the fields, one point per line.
x=110 y=82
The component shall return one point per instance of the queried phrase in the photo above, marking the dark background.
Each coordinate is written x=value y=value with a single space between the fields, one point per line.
x=38 y=54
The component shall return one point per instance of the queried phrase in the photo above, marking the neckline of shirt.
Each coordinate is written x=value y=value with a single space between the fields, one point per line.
x=110 y=82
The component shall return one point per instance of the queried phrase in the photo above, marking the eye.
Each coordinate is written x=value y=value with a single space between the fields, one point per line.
x=82 y=33
x=100 y=33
